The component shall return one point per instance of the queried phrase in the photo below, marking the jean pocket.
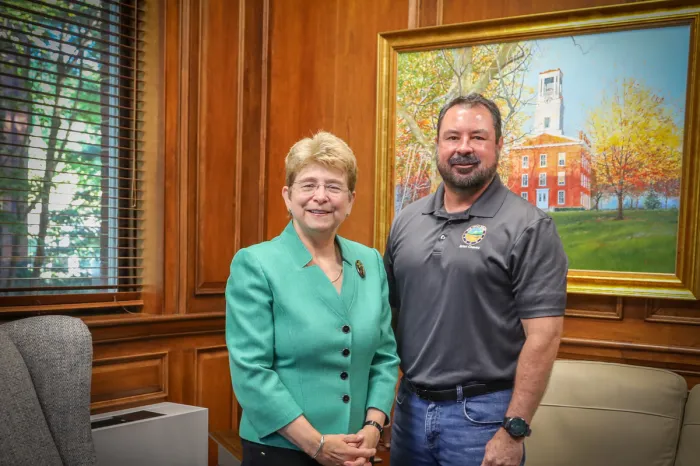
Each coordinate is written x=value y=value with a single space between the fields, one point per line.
x=488 y=409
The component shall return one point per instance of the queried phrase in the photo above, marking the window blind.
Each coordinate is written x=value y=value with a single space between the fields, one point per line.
x=71 y=153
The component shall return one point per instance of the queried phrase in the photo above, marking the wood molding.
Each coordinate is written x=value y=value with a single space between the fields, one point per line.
x=177 y=81
x=626 y=346
x=414 y=13
x=216 y=122
x=119 y=328
x=213 y=390
x=672 y=312
x=251 y=152
x=228 y=158
x=200 y=359
x=204 y=383
x=128 y=380
x=684 y=361
x=595 y=307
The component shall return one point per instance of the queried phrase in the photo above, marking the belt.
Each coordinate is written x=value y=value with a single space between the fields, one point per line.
x=450 y=394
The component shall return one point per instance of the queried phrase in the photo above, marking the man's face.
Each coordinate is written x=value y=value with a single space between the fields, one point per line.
x=467 y=150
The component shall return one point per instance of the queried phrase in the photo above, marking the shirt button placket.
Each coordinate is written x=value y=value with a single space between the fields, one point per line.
x=442 y=238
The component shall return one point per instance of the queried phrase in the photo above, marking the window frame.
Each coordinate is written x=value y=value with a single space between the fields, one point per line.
x=95 y=304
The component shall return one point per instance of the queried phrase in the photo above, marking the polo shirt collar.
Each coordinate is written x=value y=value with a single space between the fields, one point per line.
x=300 y=255
x=487 y=205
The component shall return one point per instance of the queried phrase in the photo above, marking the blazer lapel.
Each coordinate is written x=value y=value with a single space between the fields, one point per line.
x=314 y=279
x=350 y=275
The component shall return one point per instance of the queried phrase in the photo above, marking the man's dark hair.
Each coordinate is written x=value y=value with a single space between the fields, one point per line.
x=470 y=101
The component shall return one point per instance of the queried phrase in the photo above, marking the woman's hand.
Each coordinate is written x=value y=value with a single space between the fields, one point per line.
x=343 y=450
x=370 y=439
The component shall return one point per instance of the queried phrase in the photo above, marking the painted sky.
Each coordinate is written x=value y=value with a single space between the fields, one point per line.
x=591 y=63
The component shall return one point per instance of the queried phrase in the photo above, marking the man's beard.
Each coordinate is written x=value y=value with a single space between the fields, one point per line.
x=479 y=176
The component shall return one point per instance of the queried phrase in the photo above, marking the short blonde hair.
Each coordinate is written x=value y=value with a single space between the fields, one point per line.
x=324 y=149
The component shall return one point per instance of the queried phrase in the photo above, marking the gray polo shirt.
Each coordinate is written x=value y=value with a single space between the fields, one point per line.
x=461 y=282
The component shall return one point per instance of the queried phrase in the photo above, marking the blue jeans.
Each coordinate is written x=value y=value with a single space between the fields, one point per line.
x=445 y=433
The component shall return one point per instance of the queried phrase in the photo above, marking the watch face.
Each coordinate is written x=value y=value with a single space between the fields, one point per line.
x=518 y=427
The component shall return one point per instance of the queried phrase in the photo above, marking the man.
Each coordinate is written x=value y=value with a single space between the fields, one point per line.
x=477 y=279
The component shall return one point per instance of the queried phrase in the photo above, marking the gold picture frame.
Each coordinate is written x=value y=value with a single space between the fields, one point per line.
x=684 y=283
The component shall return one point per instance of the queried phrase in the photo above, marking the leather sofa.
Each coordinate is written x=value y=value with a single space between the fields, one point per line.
x=598 y=413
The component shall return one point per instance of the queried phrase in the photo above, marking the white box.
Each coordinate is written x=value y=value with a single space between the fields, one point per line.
x=177 y=436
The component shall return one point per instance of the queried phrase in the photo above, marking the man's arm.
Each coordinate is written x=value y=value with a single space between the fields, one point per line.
x=531 y=376
x=543 y=335
x=539 y=266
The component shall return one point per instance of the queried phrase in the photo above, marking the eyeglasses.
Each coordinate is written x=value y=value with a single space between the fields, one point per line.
x=309 y=187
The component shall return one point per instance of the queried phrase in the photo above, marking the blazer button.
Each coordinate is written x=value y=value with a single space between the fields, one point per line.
x=346 y=329
x=346 y=398
x=346 y=352
x=343 y=375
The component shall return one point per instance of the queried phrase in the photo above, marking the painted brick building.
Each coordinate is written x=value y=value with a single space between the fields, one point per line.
x=549 y=169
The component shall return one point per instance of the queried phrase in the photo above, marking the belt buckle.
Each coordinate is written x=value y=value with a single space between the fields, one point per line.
x=420 y=392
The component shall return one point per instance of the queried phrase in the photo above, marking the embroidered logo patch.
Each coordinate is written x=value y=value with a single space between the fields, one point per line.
x=474 y=235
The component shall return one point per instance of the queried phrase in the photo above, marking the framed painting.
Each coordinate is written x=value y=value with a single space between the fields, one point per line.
x=601 y=129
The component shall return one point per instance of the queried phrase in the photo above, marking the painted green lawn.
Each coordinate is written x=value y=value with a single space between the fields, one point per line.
x=645 y=241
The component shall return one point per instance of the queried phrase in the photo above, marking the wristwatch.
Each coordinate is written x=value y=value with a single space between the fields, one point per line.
x=375 y=424
x=517 y=427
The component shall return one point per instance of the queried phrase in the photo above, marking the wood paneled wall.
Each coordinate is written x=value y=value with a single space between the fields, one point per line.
x=214 y=75
x=244 y=80
x=323 y=76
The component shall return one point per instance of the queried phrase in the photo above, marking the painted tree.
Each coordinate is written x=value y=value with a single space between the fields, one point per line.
x=599 y=191
x=635 y=140
x=668 y=188
x=428 y=80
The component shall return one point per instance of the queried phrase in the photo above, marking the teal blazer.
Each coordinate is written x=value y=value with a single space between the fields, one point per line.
x=297 y=347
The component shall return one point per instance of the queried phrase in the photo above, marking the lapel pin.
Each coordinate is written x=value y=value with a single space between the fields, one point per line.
x=360 y=268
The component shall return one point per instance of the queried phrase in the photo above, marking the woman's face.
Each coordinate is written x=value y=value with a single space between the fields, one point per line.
x=319 y=199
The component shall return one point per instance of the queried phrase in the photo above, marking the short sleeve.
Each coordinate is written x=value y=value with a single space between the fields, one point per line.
x=391 y=279
x=539 y=267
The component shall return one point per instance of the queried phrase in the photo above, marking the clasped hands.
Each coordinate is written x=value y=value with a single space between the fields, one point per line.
x=349 y=450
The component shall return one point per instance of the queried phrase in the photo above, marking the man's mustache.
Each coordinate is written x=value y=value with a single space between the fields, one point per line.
x=458 y=159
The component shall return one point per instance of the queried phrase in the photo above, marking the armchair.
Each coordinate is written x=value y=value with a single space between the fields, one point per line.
x=45 y=378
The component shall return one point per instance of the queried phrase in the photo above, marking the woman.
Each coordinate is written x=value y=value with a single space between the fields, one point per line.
x=308 y=325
